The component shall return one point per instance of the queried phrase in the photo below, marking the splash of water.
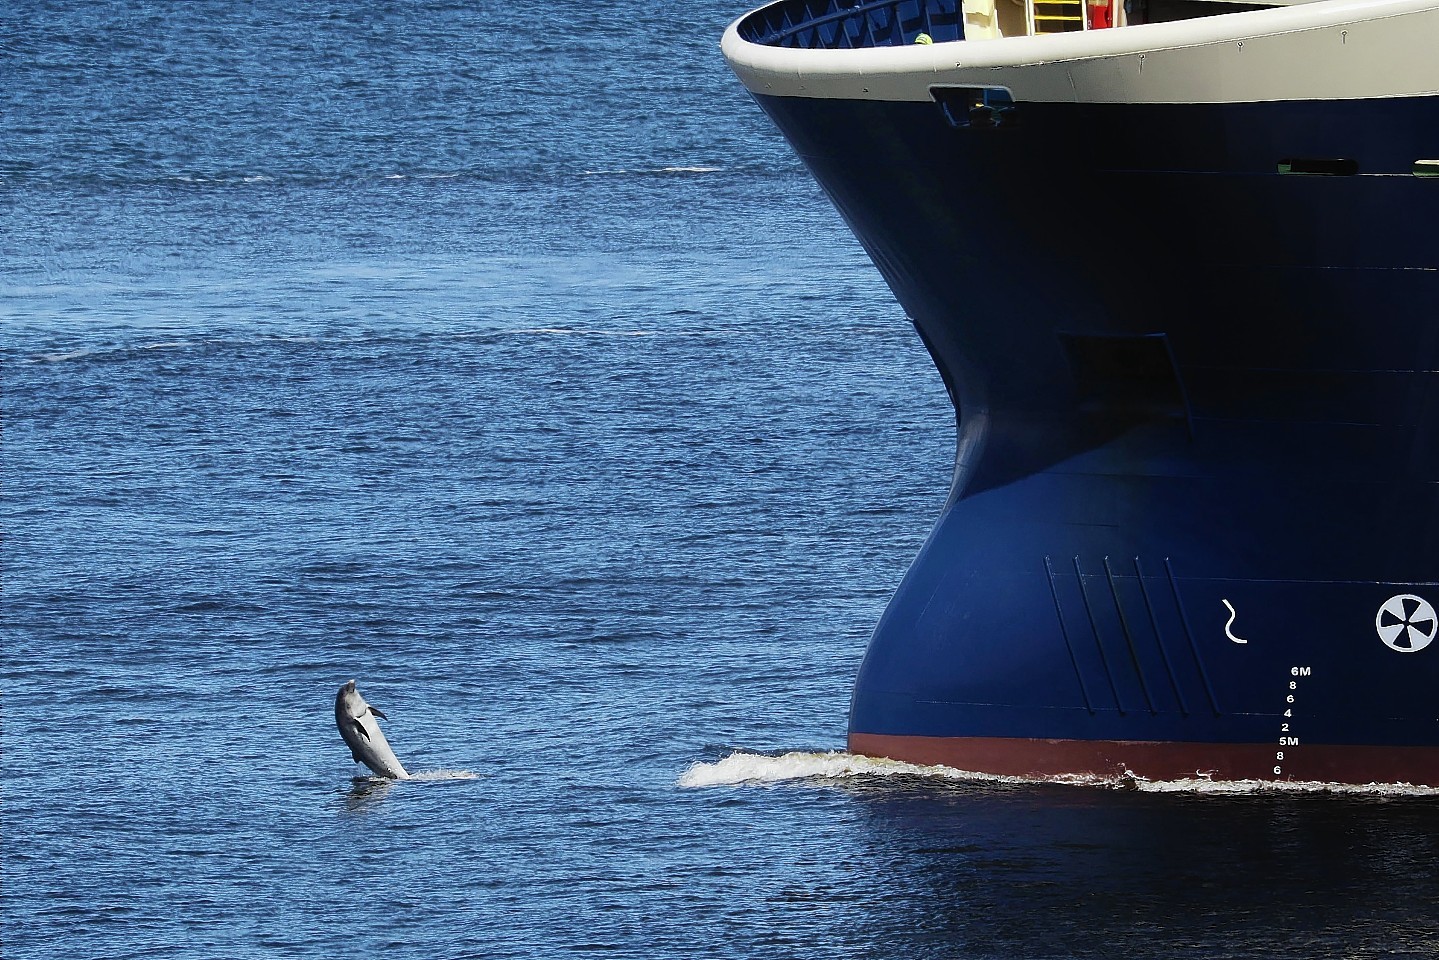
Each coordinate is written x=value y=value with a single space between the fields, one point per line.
x=425 y=775
x=620 y=171
x=743 y=768
x=587 y=333
x=755 y=768
x=1236 y=788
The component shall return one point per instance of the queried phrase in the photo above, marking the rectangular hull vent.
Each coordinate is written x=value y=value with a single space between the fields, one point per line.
x=1132 y=376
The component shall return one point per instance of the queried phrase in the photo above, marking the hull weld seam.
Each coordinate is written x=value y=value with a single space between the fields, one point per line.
x=1159 y=640
x=1064 y=632
x=1098 y=643
x=1189 y=634
x=1128 y=636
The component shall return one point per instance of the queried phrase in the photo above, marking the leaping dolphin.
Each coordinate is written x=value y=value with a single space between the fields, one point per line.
x=356 y=720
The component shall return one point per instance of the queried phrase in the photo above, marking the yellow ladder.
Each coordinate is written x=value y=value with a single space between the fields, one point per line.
x=1055 y=16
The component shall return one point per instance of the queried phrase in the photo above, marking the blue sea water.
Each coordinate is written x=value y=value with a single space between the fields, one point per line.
x=502 y=358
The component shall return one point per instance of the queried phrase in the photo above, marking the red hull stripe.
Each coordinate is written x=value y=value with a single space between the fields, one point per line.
x=1015 y=757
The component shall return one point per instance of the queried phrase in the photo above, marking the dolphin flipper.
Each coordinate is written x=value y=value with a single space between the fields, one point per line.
x=378 y=714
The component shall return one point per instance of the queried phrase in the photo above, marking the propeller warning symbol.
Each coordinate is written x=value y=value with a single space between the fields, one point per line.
x=1406 y=623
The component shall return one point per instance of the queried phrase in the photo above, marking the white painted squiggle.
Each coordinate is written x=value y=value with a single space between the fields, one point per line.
x=1232 y=615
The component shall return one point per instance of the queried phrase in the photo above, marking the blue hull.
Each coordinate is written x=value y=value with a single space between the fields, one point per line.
x=1194 y=500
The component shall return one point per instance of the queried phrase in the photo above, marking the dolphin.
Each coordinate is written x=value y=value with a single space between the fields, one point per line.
x=356 y=720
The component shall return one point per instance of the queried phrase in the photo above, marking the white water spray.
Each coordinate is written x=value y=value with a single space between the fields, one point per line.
x=756 y=768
